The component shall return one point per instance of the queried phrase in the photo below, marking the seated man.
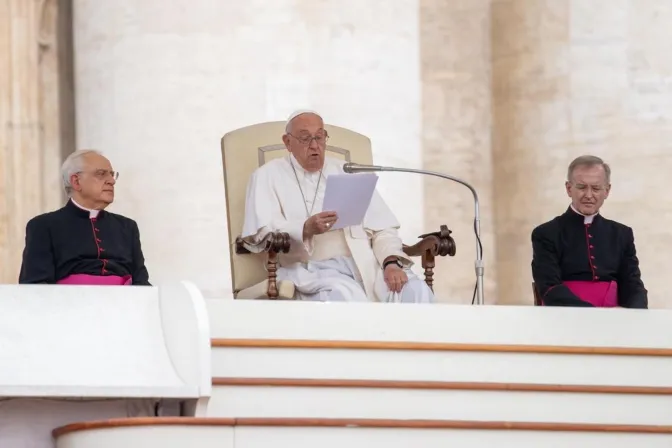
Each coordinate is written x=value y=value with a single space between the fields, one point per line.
x=581 y=258
x=82 y=243
x=356 y=264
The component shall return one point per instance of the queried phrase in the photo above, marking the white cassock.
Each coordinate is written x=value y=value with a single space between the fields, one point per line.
x=339 y=265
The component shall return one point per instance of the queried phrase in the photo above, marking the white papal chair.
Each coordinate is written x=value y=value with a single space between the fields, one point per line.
x=244 y=150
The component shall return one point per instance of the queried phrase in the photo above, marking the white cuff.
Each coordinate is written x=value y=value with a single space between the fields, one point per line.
x=295 y=230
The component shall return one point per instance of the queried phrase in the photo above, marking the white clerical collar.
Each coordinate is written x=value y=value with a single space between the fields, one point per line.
x=92 y=213
x=587 y=219
x=299 y=169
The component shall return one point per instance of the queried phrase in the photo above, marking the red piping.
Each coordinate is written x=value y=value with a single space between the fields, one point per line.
x=96 y=240
x=590 y=260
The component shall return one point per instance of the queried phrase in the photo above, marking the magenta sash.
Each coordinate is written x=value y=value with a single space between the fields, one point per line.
x=599 y=294
x=102 y=280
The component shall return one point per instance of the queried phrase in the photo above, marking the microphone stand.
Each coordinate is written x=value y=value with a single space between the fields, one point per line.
x=480 y=300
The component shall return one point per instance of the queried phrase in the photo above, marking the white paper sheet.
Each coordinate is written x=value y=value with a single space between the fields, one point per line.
x=349 y=195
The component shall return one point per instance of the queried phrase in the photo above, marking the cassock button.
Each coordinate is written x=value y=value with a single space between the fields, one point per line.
x=98 y=240
x=590 y=236
x=596 y=278
x=592 y=257
x=591 y=246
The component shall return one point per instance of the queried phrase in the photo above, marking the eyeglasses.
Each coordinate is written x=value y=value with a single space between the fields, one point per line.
x=102 y=174
x=306 y=140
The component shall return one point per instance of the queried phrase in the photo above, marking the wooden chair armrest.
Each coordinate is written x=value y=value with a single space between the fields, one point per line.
x=439 y=244
x=278 y=242
x=275 y=243
x=431 y=245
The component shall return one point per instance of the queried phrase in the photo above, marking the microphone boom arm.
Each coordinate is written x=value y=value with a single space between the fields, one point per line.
x=479 y=267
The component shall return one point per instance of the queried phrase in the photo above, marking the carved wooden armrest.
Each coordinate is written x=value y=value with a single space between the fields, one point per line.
x=275 y=243
x=431 y=245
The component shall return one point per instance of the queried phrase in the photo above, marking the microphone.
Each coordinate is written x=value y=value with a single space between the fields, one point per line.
x=353 y=168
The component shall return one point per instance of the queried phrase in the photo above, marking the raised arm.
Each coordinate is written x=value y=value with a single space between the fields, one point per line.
x=631 y=290
x=547 y=274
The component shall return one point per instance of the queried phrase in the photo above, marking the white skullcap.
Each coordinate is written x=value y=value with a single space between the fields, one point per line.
x=296 y=113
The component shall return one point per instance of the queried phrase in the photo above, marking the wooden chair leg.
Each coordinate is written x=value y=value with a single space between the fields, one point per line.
x=272 y=268
x=428 y=266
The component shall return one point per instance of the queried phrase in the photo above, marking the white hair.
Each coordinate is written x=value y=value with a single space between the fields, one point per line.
x=295 y=114
x=73 y=164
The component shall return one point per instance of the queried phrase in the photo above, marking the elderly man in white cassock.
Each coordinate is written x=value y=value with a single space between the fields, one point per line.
x=354 y=264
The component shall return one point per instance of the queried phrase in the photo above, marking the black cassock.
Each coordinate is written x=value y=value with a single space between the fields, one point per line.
x=67 y=242
x=566 y=249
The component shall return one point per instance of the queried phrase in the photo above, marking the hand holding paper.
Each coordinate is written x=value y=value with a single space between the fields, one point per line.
x=349 y=195
x=318 y=224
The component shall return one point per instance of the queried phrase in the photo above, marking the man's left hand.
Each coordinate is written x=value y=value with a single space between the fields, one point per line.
x=395 y=277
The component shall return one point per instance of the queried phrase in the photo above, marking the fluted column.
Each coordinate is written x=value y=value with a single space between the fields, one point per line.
x=572 y=78
x=456 y=110
x=30 y=132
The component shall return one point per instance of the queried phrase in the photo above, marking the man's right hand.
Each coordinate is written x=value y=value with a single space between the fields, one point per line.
x=318 y=224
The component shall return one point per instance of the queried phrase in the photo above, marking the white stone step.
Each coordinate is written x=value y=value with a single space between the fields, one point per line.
x=451 y=401
x=449 y=362
x=311 y=433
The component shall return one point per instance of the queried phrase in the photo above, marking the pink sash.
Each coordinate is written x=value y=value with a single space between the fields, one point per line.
x=599 y=294
x=103 y=280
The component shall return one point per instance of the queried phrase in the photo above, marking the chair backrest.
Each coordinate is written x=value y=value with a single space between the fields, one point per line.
x=243 y=151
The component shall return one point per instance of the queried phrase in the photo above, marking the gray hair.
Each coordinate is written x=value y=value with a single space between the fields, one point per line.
x=588 y=161
x=73 y=164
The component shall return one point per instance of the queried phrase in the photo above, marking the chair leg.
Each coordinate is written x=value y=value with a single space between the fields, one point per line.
x=428 y=265
x=272 y=268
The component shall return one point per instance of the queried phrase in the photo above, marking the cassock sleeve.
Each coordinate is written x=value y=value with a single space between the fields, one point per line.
x=631 y=291
x=263 y=215
x=38 y=264
x=382 y=226
x=547 y=275
x=386 y=243
x=140 y=274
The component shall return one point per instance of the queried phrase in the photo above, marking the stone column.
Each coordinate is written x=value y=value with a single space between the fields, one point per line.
x=572 y=78
x=456 y=109
x=531 y=101
x=30 y=132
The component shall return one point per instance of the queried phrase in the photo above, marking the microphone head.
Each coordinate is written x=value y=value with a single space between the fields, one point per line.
x=353 y=168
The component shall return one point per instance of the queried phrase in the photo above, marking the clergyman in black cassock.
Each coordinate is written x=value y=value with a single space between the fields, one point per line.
x=82 y=243
x=582 y=259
